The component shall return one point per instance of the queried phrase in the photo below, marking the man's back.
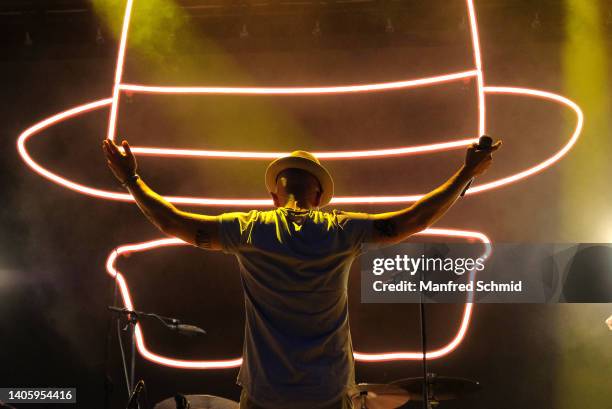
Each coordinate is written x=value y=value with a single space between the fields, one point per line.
x=294 y=269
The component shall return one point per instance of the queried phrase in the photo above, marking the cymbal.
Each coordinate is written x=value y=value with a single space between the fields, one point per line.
x=379 y=396
x=440 y=387
x=200 y=402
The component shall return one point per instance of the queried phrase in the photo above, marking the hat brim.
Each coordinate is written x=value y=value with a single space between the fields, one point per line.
x=318 y=171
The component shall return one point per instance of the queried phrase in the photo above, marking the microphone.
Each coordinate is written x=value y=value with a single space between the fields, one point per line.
x=133 y=402
x=171 y=323
x=188 y=330
x=484 y=142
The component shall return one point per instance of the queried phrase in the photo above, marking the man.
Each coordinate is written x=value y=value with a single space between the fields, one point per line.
x=609 y=322
x=294 y=264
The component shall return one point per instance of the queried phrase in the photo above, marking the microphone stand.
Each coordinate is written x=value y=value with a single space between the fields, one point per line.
x=133 y=317
x=424 y=344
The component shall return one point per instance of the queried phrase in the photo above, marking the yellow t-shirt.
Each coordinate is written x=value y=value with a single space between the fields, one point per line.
x=294 y=268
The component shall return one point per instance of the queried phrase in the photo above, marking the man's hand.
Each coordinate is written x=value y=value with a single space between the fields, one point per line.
x=197 y=229
x=123 y=165
x=477 y=161
x=609 y=322
x=393 y=227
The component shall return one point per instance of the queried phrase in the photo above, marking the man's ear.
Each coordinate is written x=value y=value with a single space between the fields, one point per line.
x=318 y=198
x=275 y=199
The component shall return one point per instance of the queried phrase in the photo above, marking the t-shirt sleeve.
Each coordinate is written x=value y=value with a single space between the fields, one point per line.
x=357 y=228
x=234 y=229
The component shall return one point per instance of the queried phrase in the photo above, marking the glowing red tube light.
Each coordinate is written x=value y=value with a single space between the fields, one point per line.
x=234 y=362
x=365 y=154
x=551 y=160
x=478 y=63
x=205 y=201
x=339 y=89
x=112 y=120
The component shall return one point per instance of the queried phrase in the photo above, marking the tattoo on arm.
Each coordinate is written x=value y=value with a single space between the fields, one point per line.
x=202 y=239
x=386 y=228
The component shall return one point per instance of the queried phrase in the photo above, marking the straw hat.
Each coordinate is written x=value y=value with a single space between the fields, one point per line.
x=305 y=161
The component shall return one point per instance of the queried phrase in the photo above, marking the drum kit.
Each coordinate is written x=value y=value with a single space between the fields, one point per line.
x=364 y=395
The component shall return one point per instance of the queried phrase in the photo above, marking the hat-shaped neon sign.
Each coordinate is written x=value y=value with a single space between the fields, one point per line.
x=475 y=73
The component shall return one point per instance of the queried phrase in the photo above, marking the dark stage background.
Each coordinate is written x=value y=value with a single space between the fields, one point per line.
x=53 y=286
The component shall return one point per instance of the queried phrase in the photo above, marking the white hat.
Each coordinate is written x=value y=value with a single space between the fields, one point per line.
x=305 y=161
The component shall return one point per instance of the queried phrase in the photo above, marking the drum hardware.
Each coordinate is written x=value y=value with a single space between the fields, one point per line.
x=181 y=402
x=441 y=388
x=378 y=396
x=197 y=402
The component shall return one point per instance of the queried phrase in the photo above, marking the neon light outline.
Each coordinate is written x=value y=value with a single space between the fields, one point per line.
x=478 y=63
x=339 y=89
x=112 y=120
x=235 y=362
x=204 y=201
x=402 y=151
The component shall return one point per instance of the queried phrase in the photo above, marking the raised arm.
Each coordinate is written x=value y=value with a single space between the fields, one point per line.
x=199 y=230
x=394 y=227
